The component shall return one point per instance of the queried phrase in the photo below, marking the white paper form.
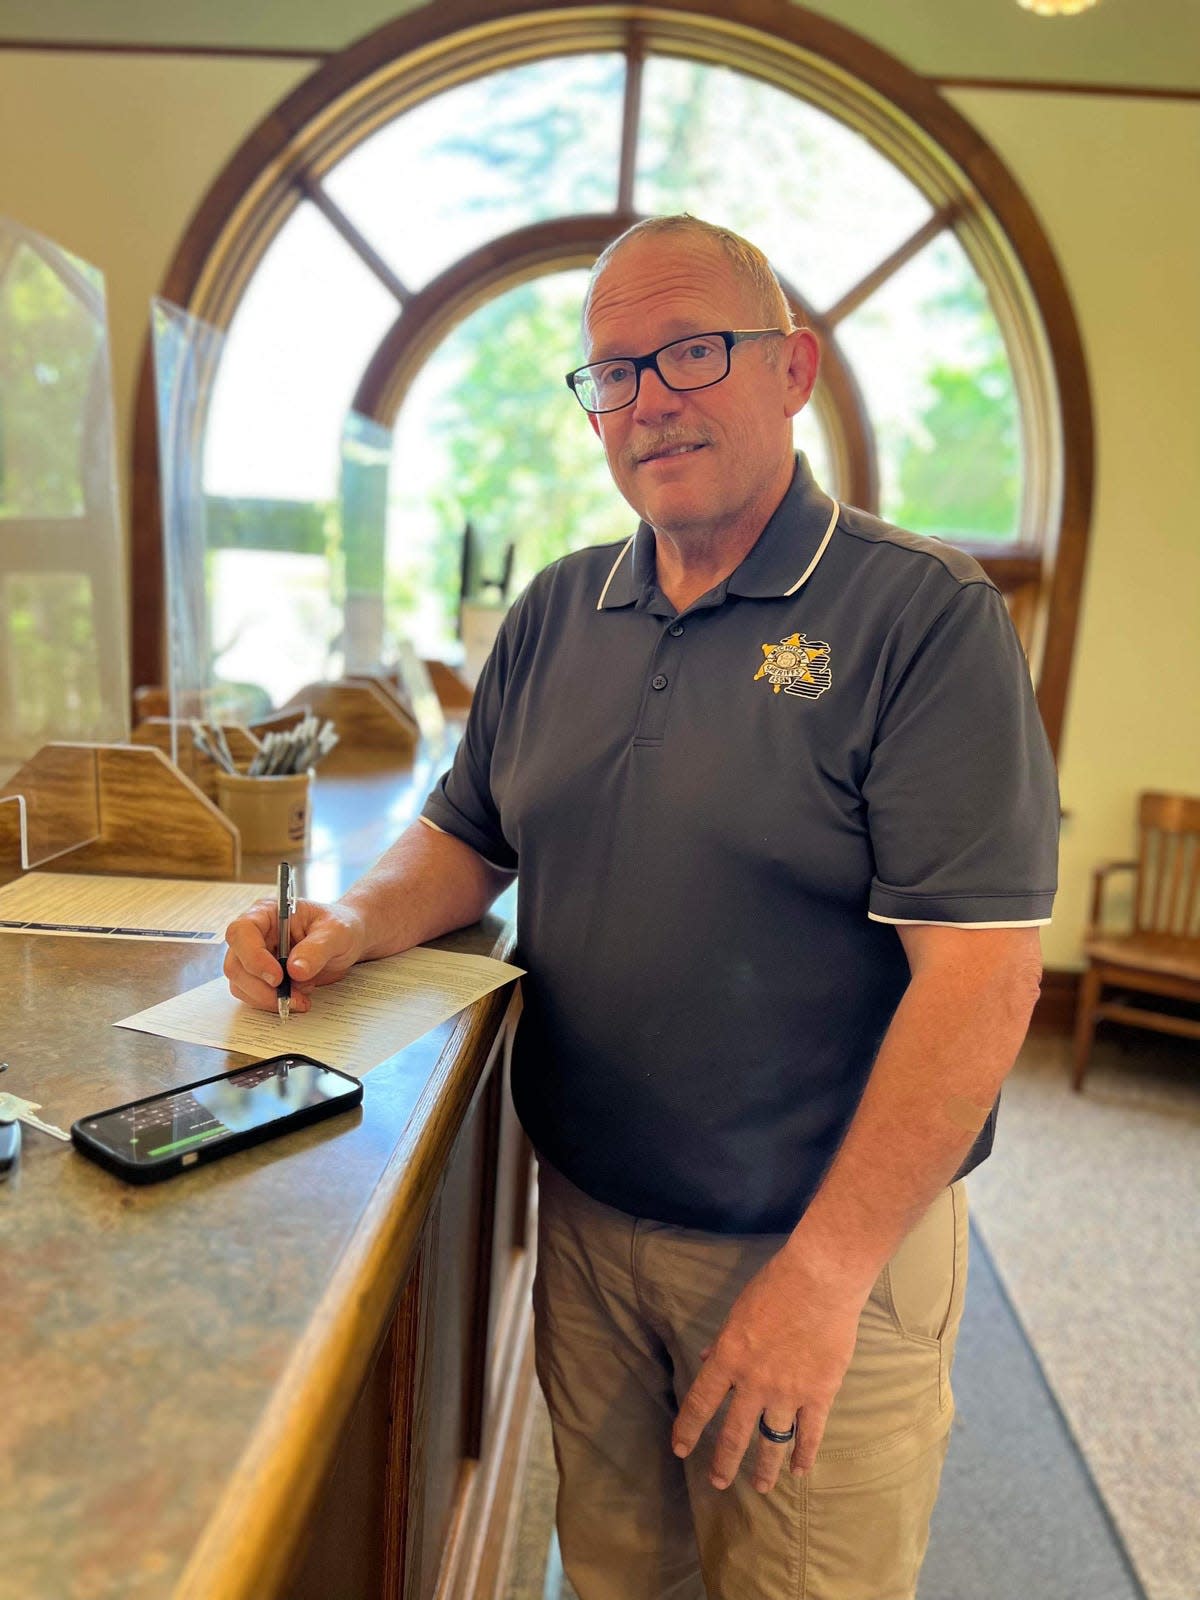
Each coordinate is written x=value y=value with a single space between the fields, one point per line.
x=376 y=1009
x=196 y=911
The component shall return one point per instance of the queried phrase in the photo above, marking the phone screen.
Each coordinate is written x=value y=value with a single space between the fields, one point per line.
x=180 y=1123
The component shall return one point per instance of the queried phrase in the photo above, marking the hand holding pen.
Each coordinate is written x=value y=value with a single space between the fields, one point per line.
x=285 y=891
x=322 y=943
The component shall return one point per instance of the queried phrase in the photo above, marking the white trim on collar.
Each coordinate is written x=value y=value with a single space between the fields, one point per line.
x=812 y=565
x=613 y=573
x=799 y=583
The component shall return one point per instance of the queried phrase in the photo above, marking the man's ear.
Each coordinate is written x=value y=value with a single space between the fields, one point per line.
x=803 y=364
x=595 y=422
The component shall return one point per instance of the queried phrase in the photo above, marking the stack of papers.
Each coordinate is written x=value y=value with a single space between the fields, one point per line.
x=195 y=910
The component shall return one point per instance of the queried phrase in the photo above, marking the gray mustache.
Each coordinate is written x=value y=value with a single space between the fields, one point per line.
x=663 y=441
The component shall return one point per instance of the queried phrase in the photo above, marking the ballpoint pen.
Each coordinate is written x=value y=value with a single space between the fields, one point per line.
x=285 y=906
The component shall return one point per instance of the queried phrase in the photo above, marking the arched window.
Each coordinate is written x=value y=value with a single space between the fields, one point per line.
x=404 y=240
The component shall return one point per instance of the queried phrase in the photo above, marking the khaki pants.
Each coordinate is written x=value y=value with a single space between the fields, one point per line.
x=623 y=1308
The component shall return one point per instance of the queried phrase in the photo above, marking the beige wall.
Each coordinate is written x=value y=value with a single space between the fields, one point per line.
x=110 y=155
x=1114 y=182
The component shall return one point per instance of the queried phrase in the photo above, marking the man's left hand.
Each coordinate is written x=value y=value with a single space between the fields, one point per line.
x=783 y=1352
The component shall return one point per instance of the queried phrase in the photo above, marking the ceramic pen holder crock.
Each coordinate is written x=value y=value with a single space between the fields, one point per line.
x=273 y=815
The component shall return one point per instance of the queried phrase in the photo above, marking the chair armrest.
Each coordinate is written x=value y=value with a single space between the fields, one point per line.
x=1099 y=875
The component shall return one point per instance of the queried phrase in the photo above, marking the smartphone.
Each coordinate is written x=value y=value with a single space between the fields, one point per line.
x=145 y=1140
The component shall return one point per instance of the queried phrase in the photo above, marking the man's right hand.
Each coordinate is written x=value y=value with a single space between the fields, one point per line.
x=326 y=942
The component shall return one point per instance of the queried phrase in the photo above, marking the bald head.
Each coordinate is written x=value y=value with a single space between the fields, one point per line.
x=750 y=268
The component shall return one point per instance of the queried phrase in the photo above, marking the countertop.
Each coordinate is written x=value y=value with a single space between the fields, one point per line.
x=163 y=1347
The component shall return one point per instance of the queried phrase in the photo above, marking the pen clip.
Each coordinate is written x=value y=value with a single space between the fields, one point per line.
x=286 y=889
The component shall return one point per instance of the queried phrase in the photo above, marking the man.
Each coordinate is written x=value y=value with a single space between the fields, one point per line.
x=784 y=817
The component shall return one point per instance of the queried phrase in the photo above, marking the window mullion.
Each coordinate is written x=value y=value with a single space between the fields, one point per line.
x=338 y=219
x=630 y=119
x=878 y=276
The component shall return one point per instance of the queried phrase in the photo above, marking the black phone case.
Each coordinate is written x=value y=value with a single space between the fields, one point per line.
x=169 y=1166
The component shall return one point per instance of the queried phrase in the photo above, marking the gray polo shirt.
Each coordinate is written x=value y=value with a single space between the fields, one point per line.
x=717 y=816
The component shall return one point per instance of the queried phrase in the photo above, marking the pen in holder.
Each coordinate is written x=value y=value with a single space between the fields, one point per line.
x=272 y=814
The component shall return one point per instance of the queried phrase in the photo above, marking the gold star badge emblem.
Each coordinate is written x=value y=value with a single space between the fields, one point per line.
x=797 y=666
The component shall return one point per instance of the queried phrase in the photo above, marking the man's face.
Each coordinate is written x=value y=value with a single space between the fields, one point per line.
x=700 y=461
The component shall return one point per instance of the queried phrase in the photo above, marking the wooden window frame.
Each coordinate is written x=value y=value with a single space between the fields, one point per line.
x=428 y=51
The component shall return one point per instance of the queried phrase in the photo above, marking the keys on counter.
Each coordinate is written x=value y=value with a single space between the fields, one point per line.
x=14 y=1109
x=10 y=1147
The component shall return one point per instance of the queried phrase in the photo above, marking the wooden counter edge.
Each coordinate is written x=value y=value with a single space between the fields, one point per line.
x=247 y=1547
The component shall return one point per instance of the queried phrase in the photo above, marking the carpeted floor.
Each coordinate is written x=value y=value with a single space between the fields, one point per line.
x=1090 y=1206
x=1073 y=1472
x=1018 y=1513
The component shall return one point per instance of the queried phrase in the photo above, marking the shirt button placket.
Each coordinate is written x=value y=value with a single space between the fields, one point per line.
x=653 y=722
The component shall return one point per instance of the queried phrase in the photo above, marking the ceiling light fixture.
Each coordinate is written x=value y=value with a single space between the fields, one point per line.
x=1056 y=8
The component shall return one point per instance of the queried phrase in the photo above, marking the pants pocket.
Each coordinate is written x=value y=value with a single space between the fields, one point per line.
x=922 y=1285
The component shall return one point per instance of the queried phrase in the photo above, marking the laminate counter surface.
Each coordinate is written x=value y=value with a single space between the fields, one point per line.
x=145 y=1330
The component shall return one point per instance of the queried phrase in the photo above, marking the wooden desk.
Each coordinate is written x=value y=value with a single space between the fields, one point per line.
x=302 y=1371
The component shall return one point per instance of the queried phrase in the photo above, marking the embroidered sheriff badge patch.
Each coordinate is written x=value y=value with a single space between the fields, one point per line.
x=797 y=666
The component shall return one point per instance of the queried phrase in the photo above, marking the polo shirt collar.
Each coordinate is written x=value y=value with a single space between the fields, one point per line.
x=783 y=558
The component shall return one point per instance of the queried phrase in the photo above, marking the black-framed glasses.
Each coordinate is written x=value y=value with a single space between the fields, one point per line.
x=696 y=362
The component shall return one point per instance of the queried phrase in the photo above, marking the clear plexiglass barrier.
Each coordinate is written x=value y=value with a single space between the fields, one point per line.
x=63 y=638
x=187 y=353
x=265 y=594
x=365 y=463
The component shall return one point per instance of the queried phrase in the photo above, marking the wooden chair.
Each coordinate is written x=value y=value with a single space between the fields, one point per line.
x=1160 y=955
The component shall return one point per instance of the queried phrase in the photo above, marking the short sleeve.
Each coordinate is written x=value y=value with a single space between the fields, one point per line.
x=962 y=798
x=462 y=803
